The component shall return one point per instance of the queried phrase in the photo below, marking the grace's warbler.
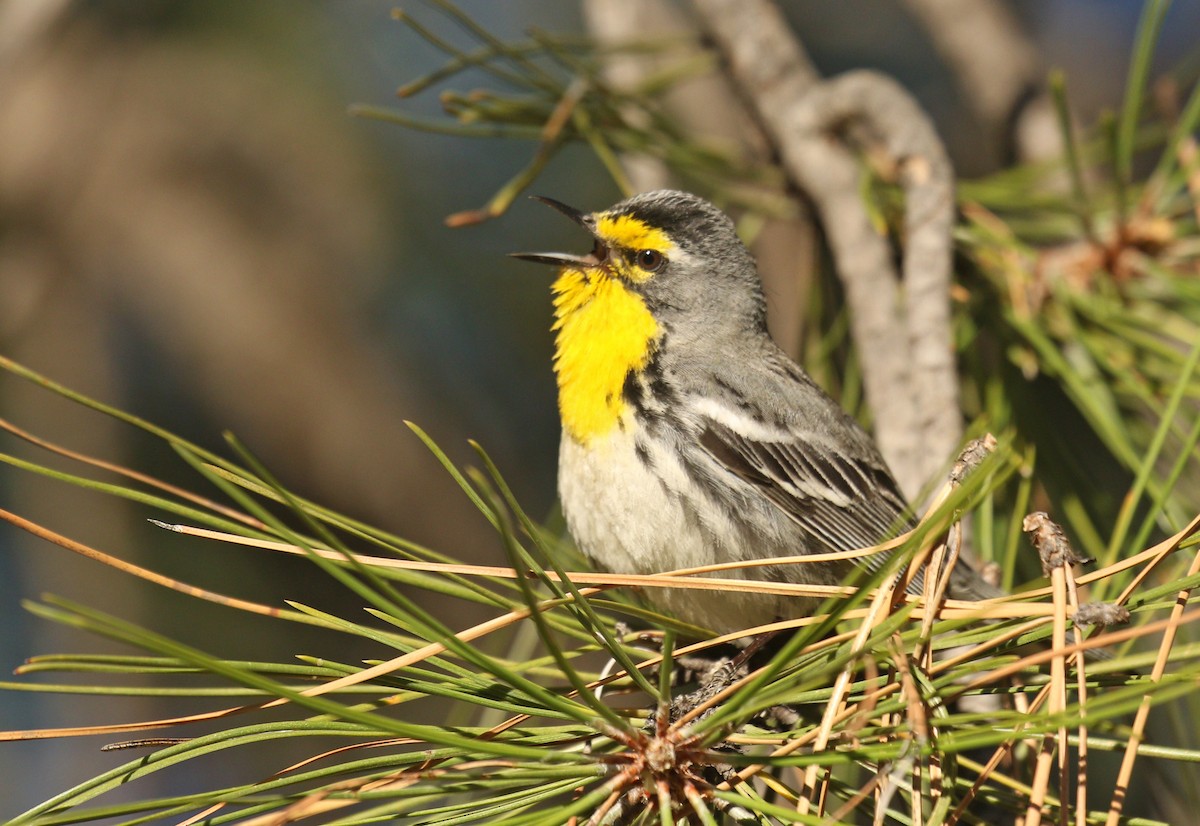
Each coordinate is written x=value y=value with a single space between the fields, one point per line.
x=689 y=438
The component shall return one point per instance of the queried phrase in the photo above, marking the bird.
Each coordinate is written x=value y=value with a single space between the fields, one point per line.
x=688 y=436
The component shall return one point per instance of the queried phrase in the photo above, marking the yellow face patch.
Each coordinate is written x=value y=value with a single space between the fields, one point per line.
x=604 y=330
x=624 y=232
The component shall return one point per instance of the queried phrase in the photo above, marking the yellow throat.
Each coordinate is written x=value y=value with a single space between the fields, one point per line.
x=604 y=330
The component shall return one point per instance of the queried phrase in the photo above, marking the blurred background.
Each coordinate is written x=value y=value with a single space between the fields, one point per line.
x=193 y=229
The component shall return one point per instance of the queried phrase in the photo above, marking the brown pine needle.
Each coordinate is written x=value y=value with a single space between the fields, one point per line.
x=1138 y=729
x=683 y=578
x=136 y=570
x=134 y=475
x=1081 y=778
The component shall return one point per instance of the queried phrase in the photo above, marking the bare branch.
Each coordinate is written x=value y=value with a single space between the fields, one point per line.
x=765 y=61
x=903 y=335
x=895 y=120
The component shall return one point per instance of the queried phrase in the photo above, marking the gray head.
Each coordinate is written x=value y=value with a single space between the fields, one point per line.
x=676 y=250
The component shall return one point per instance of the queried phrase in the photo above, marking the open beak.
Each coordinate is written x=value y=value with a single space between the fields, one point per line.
x=557 y=259
x=562 y=259
x=569 y=211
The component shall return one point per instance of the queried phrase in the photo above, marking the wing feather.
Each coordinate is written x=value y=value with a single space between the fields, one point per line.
x=840 y=501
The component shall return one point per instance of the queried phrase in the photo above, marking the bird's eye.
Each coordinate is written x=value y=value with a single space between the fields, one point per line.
x=650 y=260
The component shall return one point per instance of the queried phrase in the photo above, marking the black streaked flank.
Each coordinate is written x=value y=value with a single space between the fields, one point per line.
x=643 y=453
x=632 y=391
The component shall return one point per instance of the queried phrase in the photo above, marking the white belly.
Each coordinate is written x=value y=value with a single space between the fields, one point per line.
x=627 y=519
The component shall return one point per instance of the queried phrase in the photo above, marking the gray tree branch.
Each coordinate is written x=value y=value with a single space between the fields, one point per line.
x=896 y=123
x=901 y=326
